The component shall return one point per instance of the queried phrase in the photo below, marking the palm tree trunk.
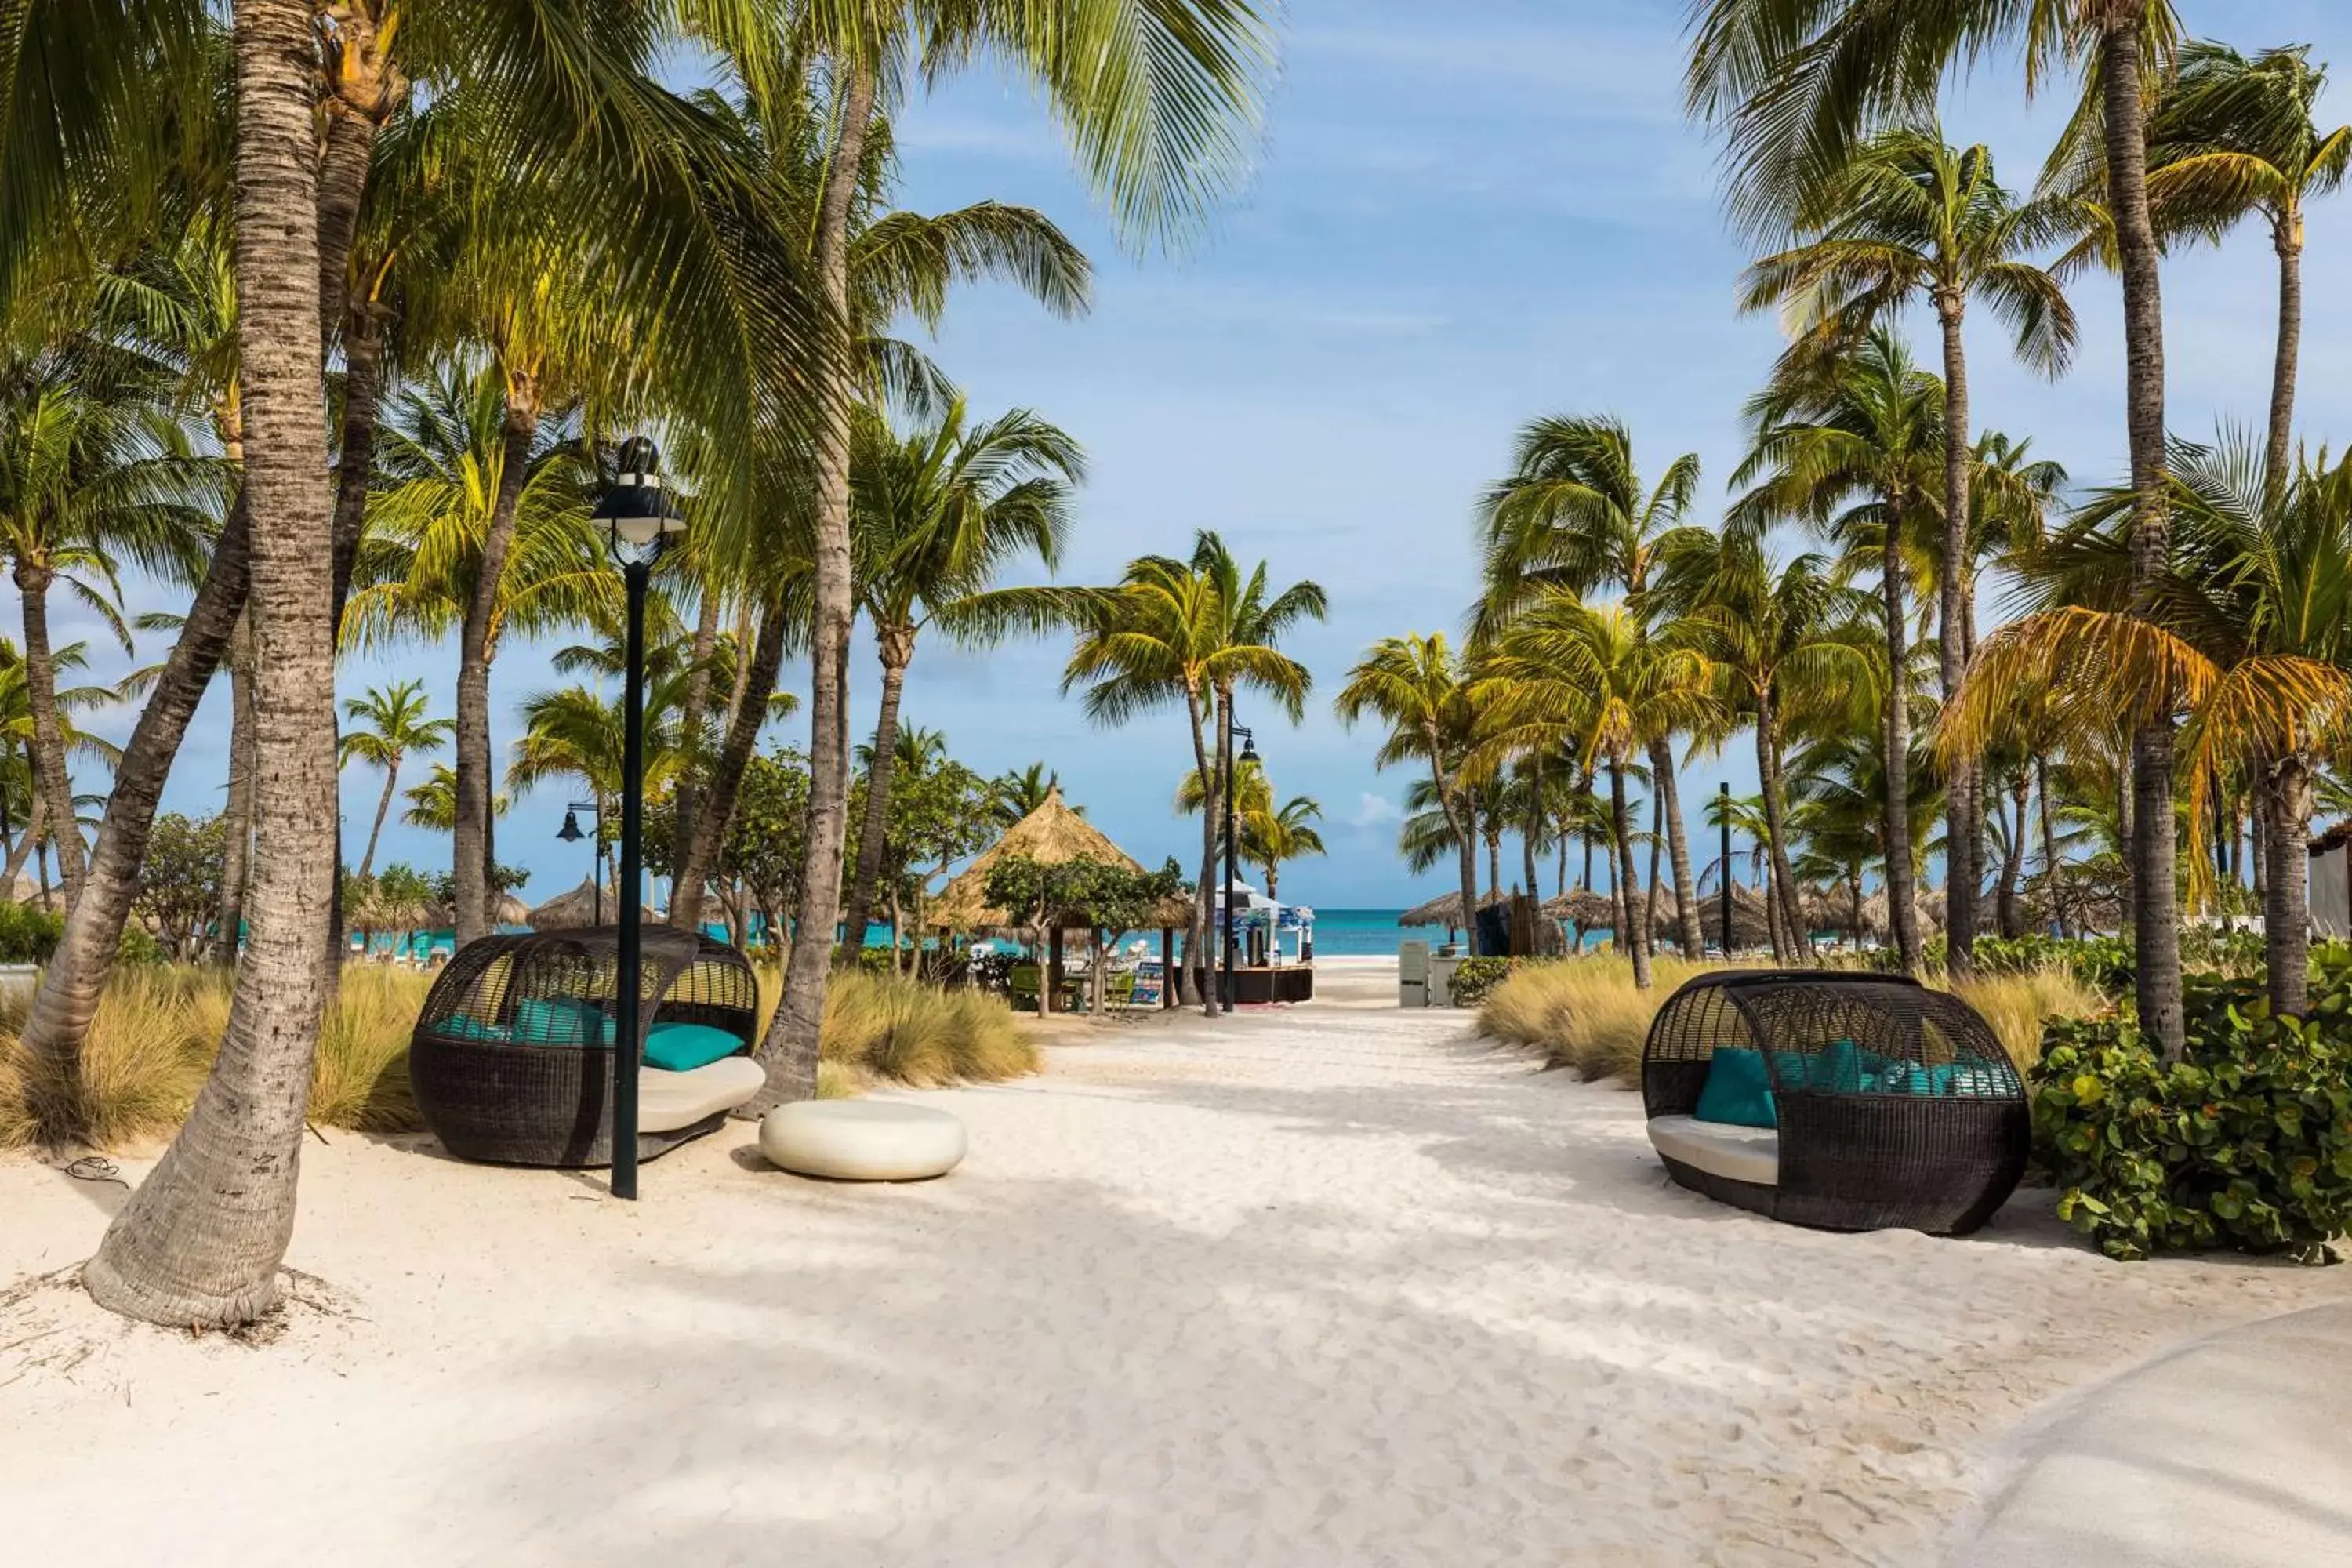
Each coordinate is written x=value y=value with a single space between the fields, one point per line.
x=755 y=679
x=201 y=1239
x=361 y=95
x=2156 y=913
x=1637 y=941
x=697 y=707
x=49 y=746
x=236 y=850
x=1902 y=913
x=1200 y=967
x=1662 y=764
x=1963 y=804
x=2050 y=846
x=897 y=648
x=383 y=809
x=2286 y=907
x=36 y=819
x=470 y=842
x=789 y=1053
x=2286 y=236
x=1650 y=899
x=1776 y=817
x=2012 y=871
x=2128 y=826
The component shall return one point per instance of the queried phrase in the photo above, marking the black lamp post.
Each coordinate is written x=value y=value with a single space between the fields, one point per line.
x=639 y=520
x=571 y=834
x=1725 y=801
x=1232 y=839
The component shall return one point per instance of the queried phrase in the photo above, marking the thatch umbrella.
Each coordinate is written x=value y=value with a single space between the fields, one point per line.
x=1751 y=926
x=577 y=911
x=511 y=912
x=1583 y=908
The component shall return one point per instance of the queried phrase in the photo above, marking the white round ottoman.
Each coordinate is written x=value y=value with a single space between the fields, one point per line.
x=861 y=1139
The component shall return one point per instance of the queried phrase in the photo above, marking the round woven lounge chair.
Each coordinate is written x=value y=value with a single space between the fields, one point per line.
x=1896 y=1106
x=512 y=1057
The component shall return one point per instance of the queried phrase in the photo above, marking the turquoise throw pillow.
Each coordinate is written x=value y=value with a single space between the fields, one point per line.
x=562 y=1021
x=1738 y=1090
x=466 y=1027
x=682 y=1047
x=1838 y=1068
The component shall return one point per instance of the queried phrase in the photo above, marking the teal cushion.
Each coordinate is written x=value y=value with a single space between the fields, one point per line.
x=466 y=1027
x=1738 y=1090
x=562 y=1021
x=682 y=1047
x=1838 y=1068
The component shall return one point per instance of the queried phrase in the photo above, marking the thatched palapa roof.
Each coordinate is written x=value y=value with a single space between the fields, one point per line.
x=1446 y=911
x=1582 y=907
x=1053 y=834
x=577 y=911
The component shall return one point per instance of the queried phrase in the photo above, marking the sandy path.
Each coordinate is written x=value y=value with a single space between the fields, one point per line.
x=1333 y=1287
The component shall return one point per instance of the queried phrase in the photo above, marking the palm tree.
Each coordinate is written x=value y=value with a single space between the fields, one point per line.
x=1574 y=514
x=1194 y=630
x=938 y=514
x=1280 y=834
x=1014 y=795
x=1855 y=449
x=1160 y=105
x=199 y=1242
x=1416 y=685
x=2255 y=632
x=2234 y=138
x=1568 y=674
x=1796 y=85
x=1791 y=642
x=1911 y=218
x=392 y=725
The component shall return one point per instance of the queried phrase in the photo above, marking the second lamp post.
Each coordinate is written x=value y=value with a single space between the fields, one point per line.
x=1233 y=840
x=639 y=520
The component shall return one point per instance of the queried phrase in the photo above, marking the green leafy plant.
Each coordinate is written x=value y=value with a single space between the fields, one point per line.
x=2246 y=1143
x=29 y=935
x=1476 y=978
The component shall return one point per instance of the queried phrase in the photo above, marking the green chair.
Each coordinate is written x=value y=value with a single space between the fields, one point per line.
x=1022 y=983
x=1118 y=991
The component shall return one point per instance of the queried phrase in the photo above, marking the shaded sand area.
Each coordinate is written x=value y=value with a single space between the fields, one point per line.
x=1336 y=1285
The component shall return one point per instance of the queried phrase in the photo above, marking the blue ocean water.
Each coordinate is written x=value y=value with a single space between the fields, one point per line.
x=1342 y=933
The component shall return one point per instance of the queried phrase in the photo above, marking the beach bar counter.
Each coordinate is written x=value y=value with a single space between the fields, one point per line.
x=1263 y=972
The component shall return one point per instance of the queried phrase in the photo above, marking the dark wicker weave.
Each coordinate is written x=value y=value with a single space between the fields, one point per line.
x=548 y=1102
x=1941 y=1162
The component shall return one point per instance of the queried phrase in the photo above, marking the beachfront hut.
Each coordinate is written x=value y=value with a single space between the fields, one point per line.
x=1751 y=927
x=1053 y=834
x=1446 y=911
x=511 y=912
x=577 y=911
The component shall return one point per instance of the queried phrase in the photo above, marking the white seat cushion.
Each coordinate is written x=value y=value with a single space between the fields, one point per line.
x=1750 y=1154
x=861 y=1139
x=672 y=1101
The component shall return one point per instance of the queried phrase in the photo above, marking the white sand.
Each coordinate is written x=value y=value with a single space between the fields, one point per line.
x=1327 y=1286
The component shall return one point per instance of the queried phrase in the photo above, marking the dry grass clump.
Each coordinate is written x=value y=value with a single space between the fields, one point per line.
x=158 y=1028
x=2017 y=1005
x=906 y=1031
x=1583 y=1012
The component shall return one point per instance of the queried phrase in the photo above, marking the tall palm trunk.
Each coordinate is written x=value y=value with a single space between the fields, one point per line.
x=789 y=1053
x=470 y=842
x=1214 y=818
x=1650 y=899
x=1662 y=764
x=2157 y=899
x=383 y=809
x=1902 y=912
x=755 y=680
x=691 y=718
x=1776 y=816
x=1963 y=804
x=2286 y=903
x=2050 y=846
x=36 y=819
x=1620 y=827
x=896 y=647
x=201 y=1239
x=2286 y=237
x=236 y=850
x=48 y=745
x=2126 y=823
x=1199 y=964
x=2012 y=871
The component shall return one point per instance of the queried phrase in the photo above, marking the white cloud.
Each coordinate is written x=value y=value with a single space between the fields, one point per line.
x=1374 y=811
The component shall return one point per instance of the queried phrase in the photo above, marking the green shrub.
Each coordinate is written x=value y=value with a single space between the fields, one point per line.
x=2246 y=1143
x=29 y=935
x=1474 y=978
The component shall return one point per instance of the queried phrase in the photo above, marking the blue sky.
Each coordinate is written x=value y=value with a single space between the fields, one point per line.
x=1465 y=216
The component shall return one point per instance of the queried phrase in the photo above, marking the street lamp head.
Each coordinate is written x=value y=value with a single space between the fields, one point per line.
x=570 y=833
x=637 y=509
x=1249 y=748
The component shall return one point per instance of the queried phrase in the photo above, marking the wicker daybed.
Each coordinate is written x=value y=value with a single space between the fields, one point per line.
x=1889 y=1105
x=512 y=1058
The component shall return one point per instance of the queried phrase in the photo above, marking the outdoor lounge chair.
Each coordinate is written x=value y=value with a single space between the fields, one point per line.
x=512 y=1058
x=1840 y=1101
